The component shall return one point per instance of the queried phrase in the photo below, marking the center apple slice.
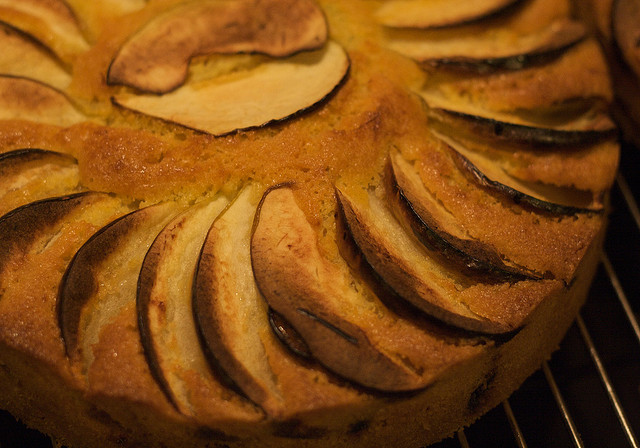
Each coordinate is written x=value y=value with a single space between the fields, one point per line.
x=157 y=57
x=345 y=327
x=272 y=91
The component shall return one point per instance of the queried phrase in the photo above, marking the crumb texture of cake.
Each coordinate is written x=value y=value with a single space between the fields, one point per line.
x=294 y=223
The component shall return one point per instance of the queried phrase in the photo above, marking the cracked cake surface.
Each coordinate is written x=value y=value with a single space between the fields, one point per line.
x=291 y=222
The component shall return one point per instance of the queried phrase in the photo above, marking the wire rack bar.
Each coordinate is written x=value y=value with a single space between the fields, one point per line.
x=607 y=383
x=571 y=426
x=517 y=433
x=622 y=297
x=629 y=198
x=462 y=439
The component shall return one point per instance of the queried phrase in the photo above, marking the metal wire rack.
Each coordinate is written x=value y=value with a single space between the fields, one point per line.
x=588 y=393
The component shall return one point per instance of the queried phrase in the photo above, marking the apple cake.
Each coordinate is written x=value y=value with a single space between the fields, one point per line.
x=291 y=223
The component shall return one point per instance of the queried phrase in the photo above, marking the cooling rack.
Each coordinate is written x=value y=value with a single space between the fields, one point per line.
x=588 y=393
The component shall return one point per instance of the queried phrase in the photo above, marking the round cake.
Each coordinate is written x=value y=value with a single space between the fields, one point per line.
x=291 y=223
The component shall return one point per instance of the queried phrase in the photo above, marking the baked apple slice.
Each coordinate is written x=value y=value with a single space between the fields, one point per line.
x=50 y=21
x=439 y=13
x=27 y=175
x=24 y=56
x=165 y=316
x=407 y=266
x=419 y=210
x=625 y=19
x=539 y=197
x=231 y=315
x=344 y=325
x=270 y=92
x=236 y=325
x=33 y=226
x=156 y=58
x=26 y=99
x=38 y=240
x=102 y=277
x=577 y=126
x=495 y=51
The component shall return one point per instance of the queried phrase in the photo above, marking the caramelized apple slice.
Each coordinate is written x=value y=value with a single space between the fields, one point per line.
x=34 y=225
x=50 y=21
x=165 y=317
x=406 y=266
x=24 y=56
x=501 y=50
x=237 y=326
x=231 y=314
x=27 y=175
x=439 y=231
x=542 y=198
x=438 y=13
x=38 y=240
x=577 y=126
x=102 y=277
x=625 y=20
x=156 y=58
x=25 y=99
x=343 y=324
x=270 y=92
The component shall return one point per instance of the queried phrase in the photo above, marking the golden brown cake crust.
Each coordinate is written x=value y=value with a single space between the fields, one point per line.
x=371 y=326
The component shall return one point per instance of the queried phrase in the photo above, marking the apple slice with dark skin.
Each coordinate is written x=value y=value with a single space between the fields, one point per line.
x=538 y=49
x=247 y=340
x=273 y=91
x=24 y=56
x=625 y=20
x=593 y=126
x=540 y=198
x=332 y=311
x=52 y=22
x=26 y=99
x=406 y=265
x=439 y=231
x=165 y=317
x=102 y=277
x=488 y=51
x=38 y=240
x=27 y=175
x=427 y=14
x=156 y=58
x=25 y=226
x=229 y=310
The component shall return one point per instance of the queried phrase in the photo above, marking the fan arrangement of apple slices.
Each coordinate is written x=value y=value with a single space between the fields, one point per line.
x=230 y=294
